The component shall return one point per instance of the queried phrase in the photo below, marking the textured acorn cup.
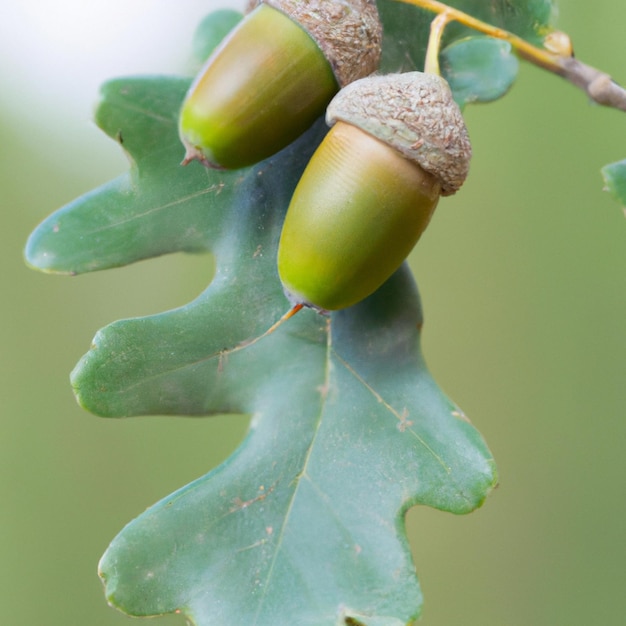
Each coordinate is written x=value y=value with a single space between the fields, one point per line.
x=398 y=142
x=273 y=76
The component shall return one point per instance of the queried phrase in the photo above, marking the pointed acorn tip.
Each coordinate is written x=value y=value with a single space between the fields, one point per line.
x=193 y=154
x=298 y=302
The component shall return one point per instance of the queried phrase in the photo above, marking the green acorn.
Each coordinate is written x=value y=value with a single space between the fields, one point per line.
x=397 y=143
x=274 y=75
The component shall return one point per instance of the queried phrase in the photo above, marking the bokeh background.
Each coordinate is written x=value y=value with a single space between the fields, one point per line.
x=523 y=278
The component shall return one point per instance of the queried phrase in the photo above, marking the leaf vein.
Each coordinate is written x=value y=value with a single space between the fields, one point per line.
x=399 y=416
x=298 y=480
x=156 y=209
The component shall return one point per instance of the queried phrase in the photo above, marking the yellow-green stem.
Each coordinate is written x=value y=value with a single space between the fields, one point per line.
x=249 y=342
x=532 y=53
x=598 y=85
x=437 y=26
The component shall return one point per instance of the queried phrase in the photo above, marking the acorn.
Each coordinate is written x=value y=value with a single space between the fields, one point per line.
x=397 y=143
x=274 y=75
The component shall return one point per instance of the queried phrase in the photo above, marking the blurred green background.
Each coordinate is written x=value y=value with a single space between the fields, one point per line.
x=523 y=278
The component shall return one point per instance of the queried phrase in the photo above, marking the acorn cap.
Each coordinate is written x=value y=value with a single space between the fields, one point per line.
x=348 y=32
x=415 y=114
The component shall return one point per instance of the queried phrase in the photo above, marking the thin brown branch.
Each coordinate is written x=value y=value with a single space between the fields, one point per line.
x=600 y=87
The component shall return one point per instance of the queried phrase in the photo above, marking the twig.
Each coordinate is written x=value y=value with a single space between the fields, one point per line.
x=599 y=86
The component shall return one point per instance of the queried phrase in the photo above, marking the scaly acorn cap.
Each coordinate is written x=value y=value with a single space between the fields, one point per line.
x=348 y=32
x=413 y=113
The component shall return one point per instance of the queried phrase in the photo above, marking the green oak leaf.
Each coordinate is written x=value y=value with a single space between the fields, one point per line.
x=614 y=176
x=405 y=27
x=153 y=209
x=304 y=523
x=479 y=69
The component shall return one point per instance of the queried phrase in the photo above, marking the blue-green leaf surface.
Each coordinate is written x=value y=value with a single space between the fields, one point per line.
x=304 y=523
x=614 y=176
x=479 y=69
